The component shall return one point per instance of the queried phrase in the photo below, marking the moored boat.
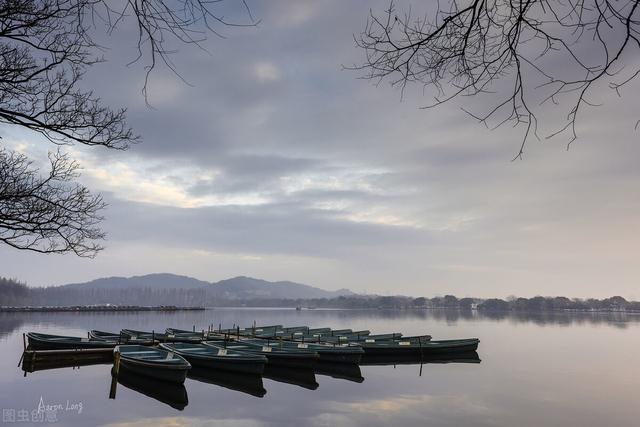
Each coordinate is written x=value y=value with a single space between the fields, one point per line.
x=162 y=337
x=153 y=362
x=38 y=341
x=408 y=346
x=276 y=355
x=96 y=335
x=342 y=353
x=351 y=338
x=218 y=357
x=196 y=335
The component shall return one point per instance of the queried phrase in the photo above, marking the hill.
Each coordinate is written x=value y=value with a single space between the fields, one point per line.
x=240 y=287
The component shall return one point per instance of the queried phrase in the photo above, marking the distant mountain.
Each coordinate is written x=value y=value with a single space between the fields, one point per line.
x=240 y=287
x=247 y=288
x=156 y=281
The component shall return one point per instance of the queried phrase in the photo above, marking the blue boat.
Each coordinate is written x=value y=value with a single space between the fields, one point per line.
x=152 y=362
x=218 y=357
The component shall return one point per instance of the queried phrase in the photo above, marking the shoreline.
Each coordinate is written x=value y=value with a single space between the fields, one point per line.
x=95 y=308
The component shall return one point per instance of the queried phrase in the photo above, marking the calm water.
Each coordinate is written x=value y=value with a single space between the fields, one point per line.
x=564 y=370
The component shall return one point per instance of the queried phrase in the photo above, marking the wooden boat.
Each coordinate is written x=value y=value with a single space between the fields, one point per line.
x=420 y=347
x=273 y=332
x=96 y=335
x=245 y=383
x=172 y=394
x=104 y=336
x=153 y=362
x=295 y=329
x=39 y=341
x=162 y=337
x=218 y=357
x=197 y=335
x=350 y=338
x=392 y=337
x=342 y=353
x=250 y=331
x=291 y=357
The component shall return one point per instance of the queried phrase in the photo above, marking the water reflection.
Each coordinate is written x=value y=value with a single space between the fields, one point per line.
x=412 y=359
x=301 y=377
x=30 y=364
x=342 y=371
x=558 y=370
x=172 y=394
x=175 y=395
x=246 y=383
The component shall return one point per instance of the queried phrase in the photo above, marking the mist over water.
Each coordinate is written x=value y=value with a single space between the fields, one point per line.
x=558 y=369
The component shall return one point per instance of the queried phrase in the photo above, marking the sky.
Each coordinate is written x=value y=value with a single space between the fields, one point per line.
x=268 y=159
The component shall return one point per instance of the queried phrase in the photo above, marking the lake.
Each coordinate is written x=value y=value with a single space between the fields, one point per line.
x=536 y=370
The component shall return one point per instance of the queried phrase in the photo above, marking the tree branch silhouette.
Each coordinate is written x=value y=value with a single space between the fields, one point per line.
x=46 y=47
x=520 y=55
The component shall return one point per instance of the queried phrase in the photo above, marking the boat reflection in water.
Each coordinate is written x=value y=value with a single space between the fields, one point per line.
x=412 y=359
x=302 y=377
x=175 y=394
x=343 y=371
x=170 y=393
x=35 y=361
x=245 y=383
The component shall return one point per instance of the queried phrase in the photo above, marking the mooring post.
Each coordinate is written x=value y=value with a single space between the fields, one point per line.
x=194 y=328
x=114 y=375
x=116 y=362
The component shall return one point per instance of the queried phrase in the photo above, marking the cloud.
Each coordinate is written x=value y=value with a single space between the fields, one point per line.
x=274 y=161
x=266 y=72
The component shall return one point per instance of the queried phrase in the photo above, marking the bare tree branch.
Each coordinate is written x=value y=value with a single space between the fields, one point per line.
x=520 y=54
x=47 y=214
x=46 y=47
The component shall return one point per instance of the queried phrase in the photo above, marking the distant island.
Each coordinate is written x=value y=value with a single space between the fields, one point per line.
x=182 y=291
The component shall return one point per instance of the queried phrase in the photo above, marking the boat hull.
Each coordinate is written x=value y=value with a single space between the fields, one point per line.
x=240 y=366
x=155 y=370
x=37 y=342
x=427 y=348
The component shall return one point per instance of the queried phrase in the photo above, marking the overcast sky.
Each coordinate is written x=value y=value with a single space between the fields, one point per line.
x=273 y=162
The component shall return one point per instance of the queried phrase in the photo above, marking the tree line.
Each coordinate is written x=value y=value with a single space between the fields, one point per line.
x=16 y=293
